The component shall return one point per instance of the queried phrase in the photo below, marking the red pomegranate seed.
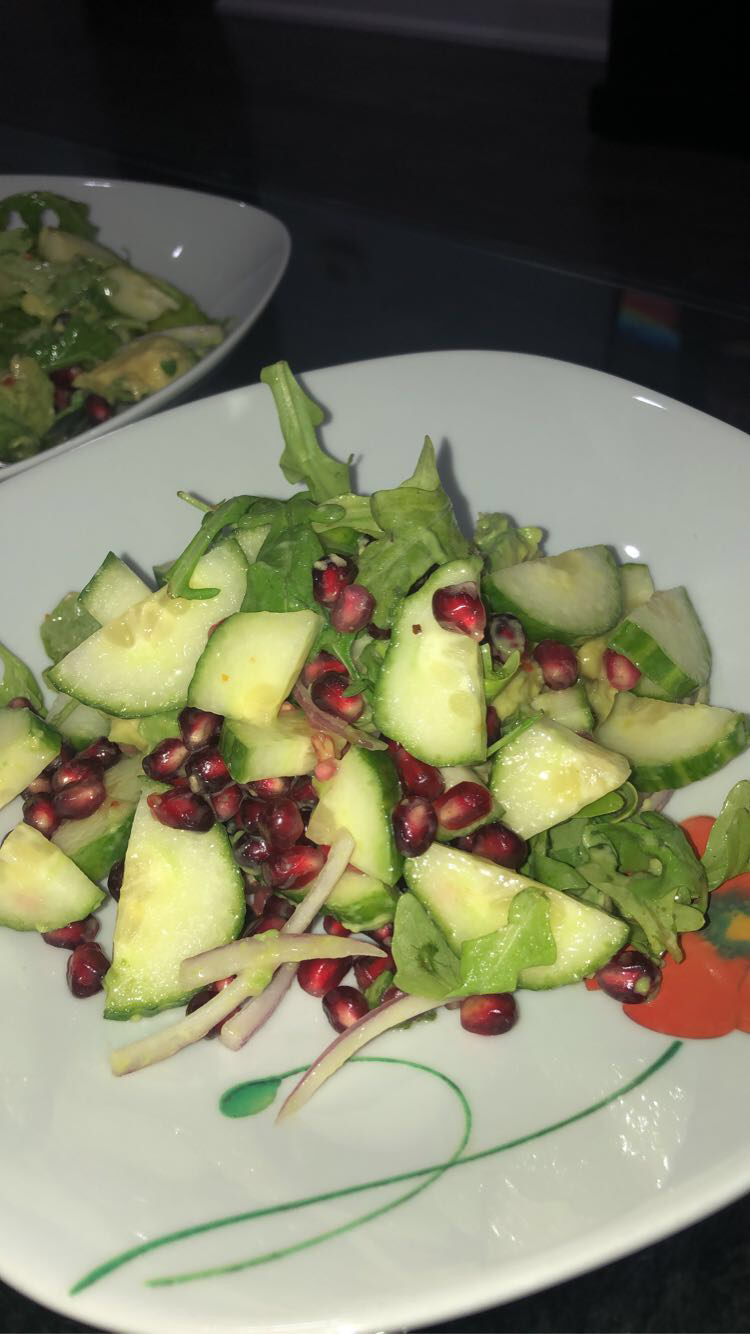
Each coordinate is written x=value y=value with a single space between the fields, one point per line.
x=352 y=609
x=41 y=814
x=330 y=575
x=80 y=799
x=40 y=786
x=295 y=867
x=558 y=663
x=115 y=878
x=198 y=728
x=226 y=804
x=620 y=671
x=276 y=906
x=303 y=792
x=74 y=771
x=268 y=922
x=333 y=927
x=165 y=760
x=61 y=398
x=366 y=970
x=460 y=609
x=103 y=751
x=65 y=753
x=207 y=771
x=382 y=934
x=268 y=789
x=499 y=844
x=252 y=850
x=392 y=993
x=489 y=1016
x=494 y=726
x=343 y=1006
x=75 y=933
x=325 y=662
x=181 y=810
x=65 y=375
x=328 y=694
x=417 y=778
x=97 y=409
x=284 y=823
x=630 y=977
x=202 y=997
x=325 y=770
x=19 y=702
x=318 y=976
x=506 y=636
x=462 y=804
x=414 y=825
x=252 y=815
x=86 y=967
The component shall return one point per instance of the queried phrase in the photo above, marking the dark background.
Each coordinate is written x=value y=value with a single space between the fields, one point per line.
x=445 y=193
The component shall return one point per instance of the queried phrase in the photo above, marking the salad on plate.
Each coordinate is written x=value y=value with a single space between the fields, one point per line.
x=455 y=751
x=83 y=333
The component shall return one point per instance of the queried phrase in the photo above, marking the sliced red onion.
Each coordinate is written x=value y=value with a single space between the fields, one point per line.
x=327 y=723
x=388 y=1015
x=656 y=801
x=193 y=1027
x=243 y=1026
x=255 y=952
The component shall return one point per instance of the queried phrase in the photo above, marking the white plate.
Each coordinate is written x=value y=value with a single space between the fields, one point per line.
x=589 y=1136
x=228 y=255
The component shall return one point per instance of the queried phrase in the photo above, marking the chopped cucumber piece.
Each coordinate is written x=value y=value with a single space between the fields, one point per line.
x=430 y=693
x=547 y=774
x=77 y=723
x=251 y=540
x=97 y=842
x=469 y=897
x=112 y=590
x=27 y=745
x=637 y=586
x=360 y=798
x=570 y=597
x=569 y=707
x=360 y=902
x=665 y=640
x=280 y=749
x=144 y=733
x=251 y=662
x=40 y=888
x=670 y=745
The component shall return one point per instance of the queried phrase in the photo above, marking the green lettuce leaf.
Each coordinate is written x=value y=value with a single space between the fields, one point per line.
x=425 y=962
x=496 y=677
x=214 y=522
x=502 y=544
x=492 y=962
x=18 y=679
x=71 y=216
x=303 y=460
x=65 y=627
x=728 y=849
x=78 y=342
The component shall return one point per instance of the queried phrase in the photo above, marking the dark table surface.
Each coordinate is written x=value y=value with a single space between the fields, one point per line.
x=409 y=236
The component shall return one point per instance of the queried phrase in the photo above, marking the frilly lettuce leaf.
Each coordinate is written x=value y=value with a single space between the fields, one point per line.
x=728 y=849
x=502 y=544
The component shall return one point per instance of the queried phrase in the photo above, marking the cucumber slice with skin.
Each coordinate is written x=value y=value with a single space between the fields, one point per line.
x=112 y=590
x=569 y=707
x=430 y=693
x=360 y=902
x=360 y=798
x=181 y=893
x=548 y=773
x=142 y=662
x=144 y=733
x=40 y=888
x=251 y=540
x=569 y=598
x=97 y=842
x=27 y=745
x=637 y=586
x=670 y=745
x=251 y=662
x=77 y=723
x=280 y=749
x=469 y=897
x=665 y=640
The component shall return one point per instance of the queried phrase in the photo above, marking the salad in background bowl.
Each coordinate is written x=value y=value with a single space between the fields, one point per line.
x=114 y=297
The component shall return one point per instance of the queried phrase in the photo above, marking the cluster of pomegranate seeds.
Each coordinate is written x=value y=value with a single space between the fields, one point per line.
x=351 y=605
x=558 y=663
x=330 y=576
x=87 y=966
x=621 y=673
x=70 y=788
x=630 y=977
x=460 y=609
x=506 y=635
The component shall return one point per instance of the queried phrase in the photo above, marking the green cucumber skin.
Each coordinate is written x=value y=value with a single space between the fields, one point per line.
x=497 y=601
x=97 y=859
x=42 y=744
x=657 y=777
x=651 y=661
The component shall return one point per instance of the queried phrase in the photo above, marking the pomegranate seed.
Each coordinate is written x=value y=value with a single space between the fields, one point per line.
x=165 y=759
x=252 y=815
x=86 y=967
x=115 y=878
x=268 y=922
x=343 y=1006
x=460 y=609
x=252 y=850
x=284 y=823
x=65 y=376
x=488 y=1016
x=98 y=410
x=621 y=673
x=257 y=897
x=74 y=771
x=414 y=825
x=392 y=993
x=181 y=810
x=462 y=804
x=417 y=778
x=499 y=844
x=41 y=786
x=75 y=933
x=226 y=804
x=378 y=631
x=19 y=702
x=333 y=927
x=207 y=771
x=352 y=609
x=330 y=576
x=318 y=976
x=276 y=906
x=494 y=726
x=325 y=662
x=325 y=770
x=268 y=789
x=303 y=792
x=295 y=867
x=506 y=636
x=558 y=663
x=61 y=398
x=103 y=751
x=202 y=997
x=40 y=813
x=366 y=970
x=328 y=694
x=78 y=800
x=382 y=934
x=630 y=977
x=65 y=753
x=198 y=728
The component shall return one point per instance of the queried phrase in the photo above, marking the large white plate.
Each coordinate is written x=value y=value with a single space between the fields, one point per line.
x=228 y=255
x=587 y=1136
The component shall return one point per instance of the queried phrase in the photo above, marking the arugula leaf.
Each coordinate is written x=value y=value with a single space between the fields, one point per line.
x=425 y=962
x=65 y=627
x=224 y=516
x=728 y=849
x=280 y=578
x=71 y=216
x=77 y=343
x=18 y=679
x=303 y=460
x=492 y=962
x=497 y=677
x=502 y=544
